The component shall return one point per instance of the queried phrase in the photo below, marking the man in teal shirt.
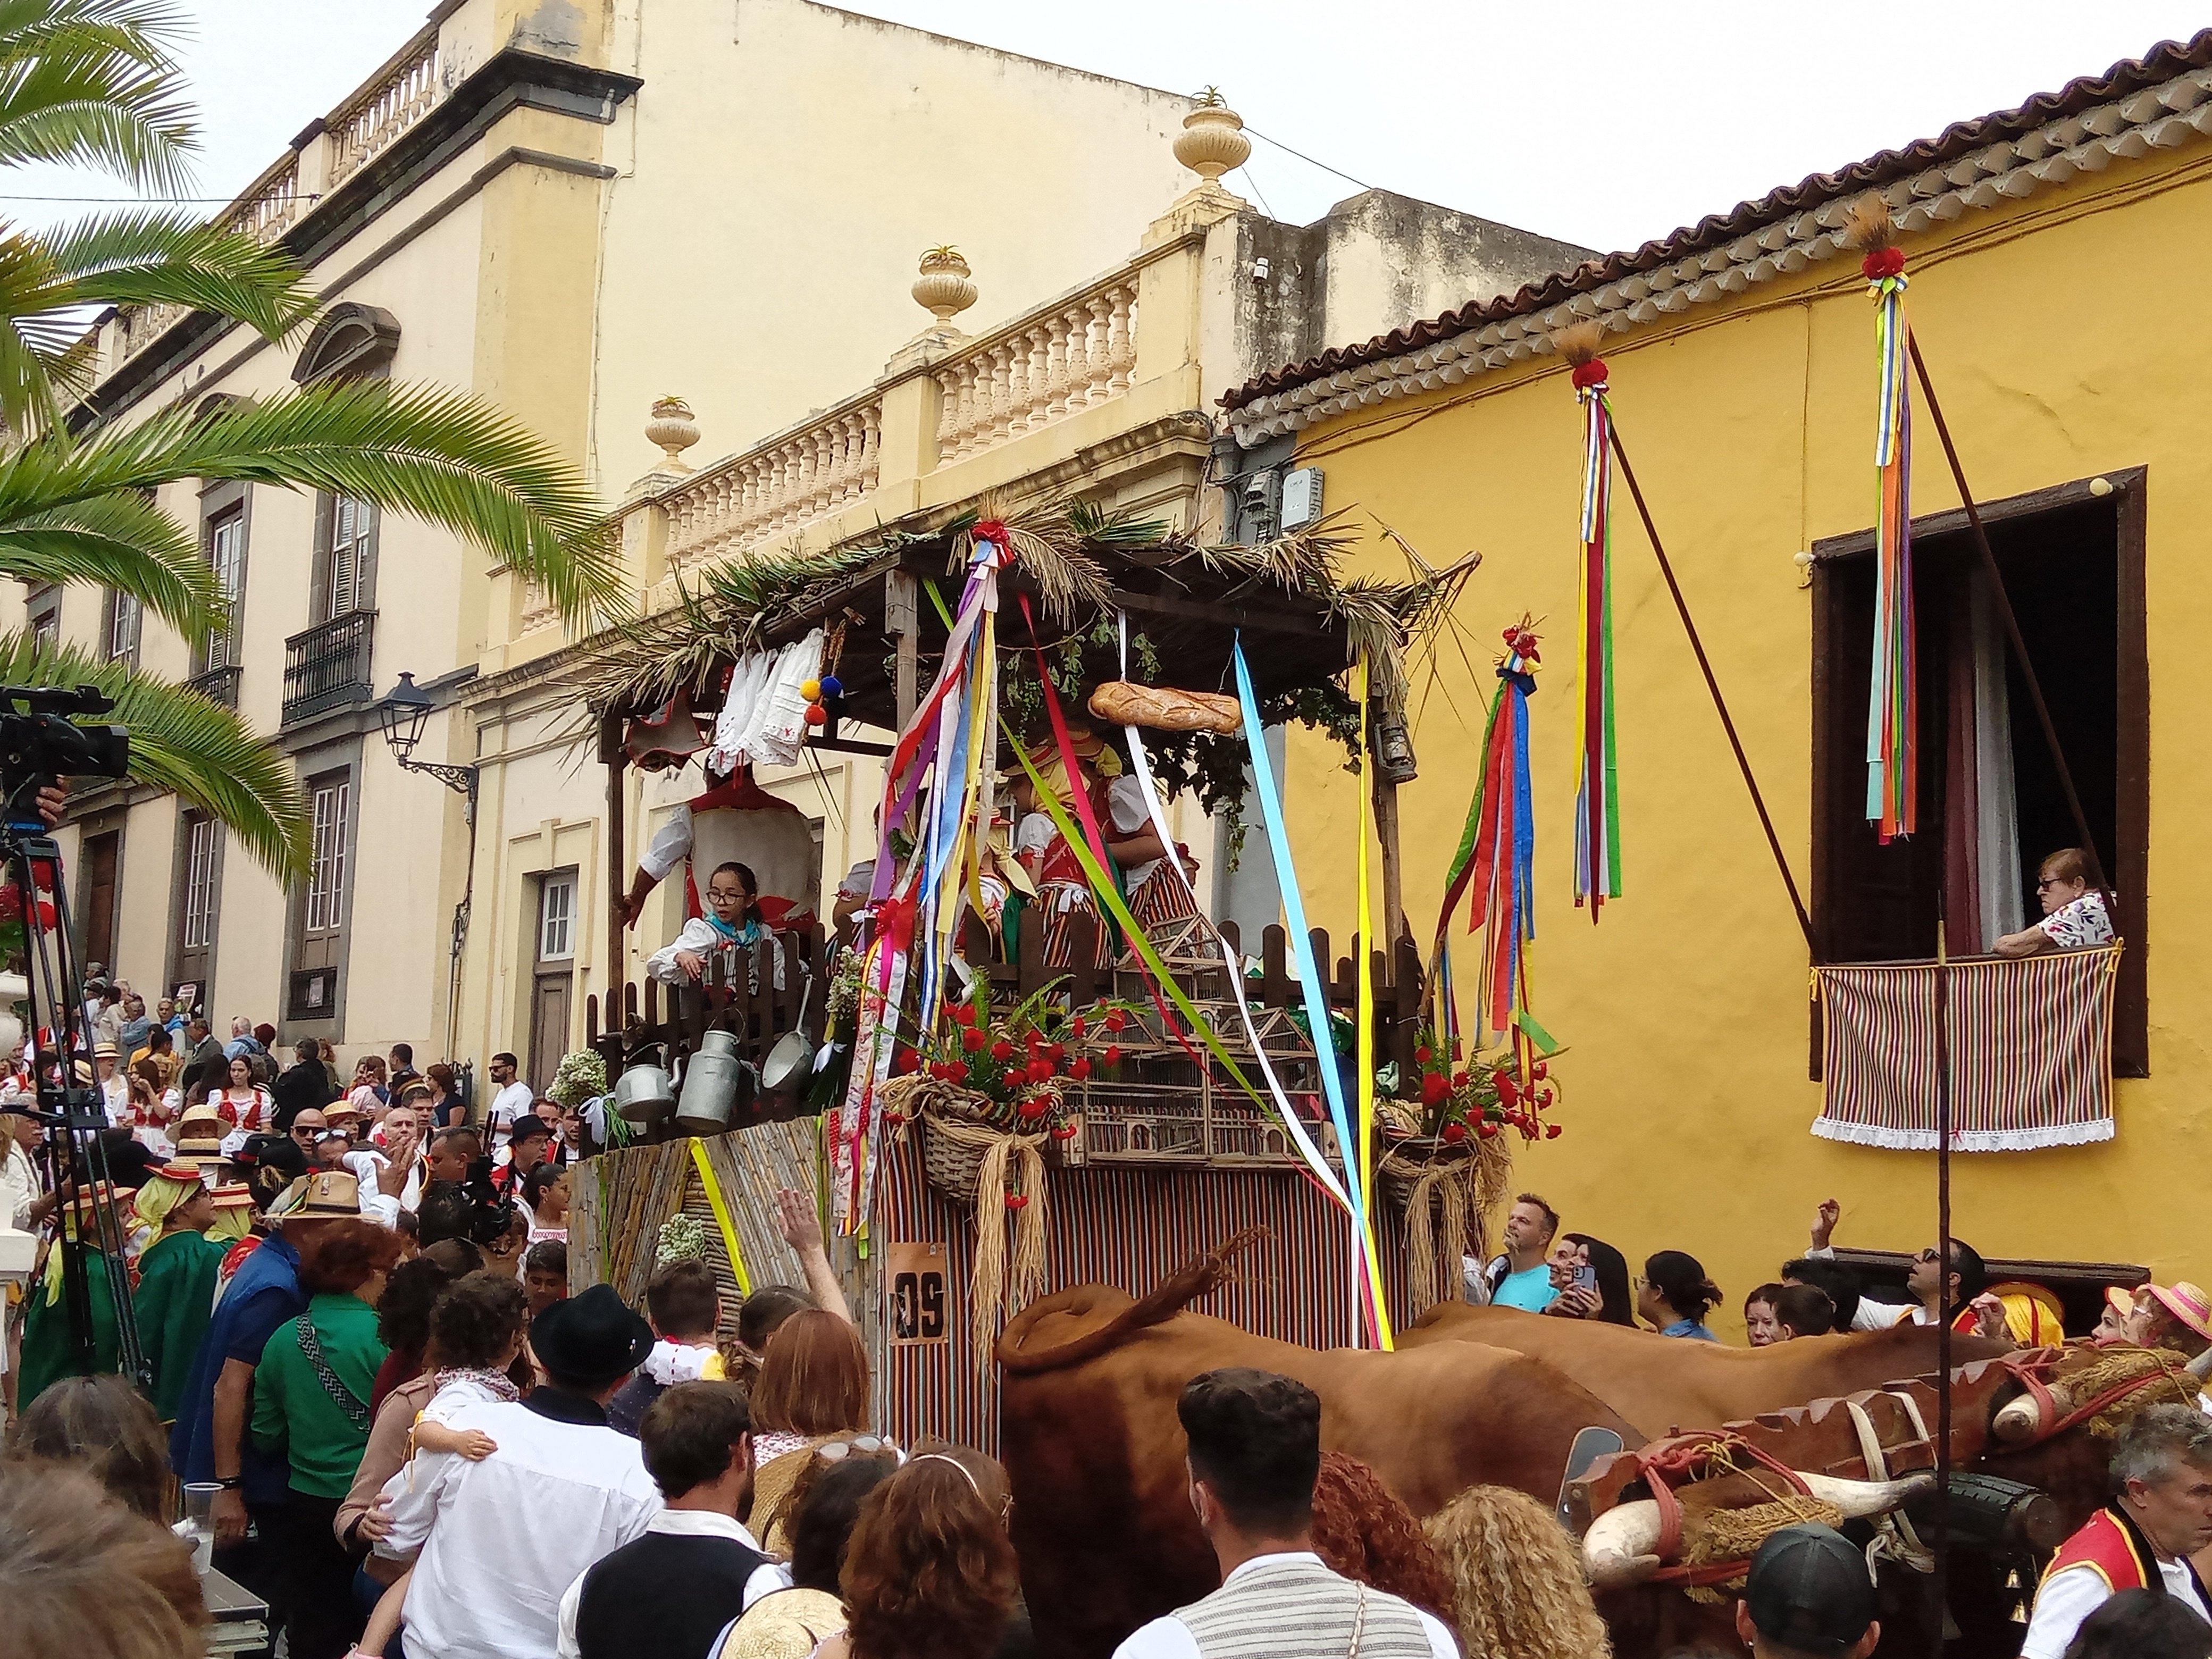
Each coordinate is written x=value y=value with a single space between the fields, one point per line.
x=1522 y=1277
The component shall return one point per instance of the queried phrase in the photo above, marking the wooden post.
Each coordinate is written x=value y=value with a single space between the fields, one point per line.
x=611 y=751
x=1386 y=832
x=902 y=621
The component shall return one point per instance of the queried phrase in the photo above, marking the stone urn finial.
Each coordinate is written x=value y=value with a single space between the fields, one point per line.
x=942 y=288
x=674 y=431
x=1212 y=138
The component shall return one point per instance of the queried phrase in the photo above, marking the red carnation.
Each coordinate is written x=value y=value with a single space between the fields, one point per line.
x=1065 y=1132
x=1421 y=1054
x=1055 y=1052
x=1113 y=1053
x=1551 y=1132
x=1115 y=1019
x=965 y=1012
x=956 y=1071
x=908 y=1061
x=1016 y=1076
x=1002 y=1050
x=1455 y=1133
x=1034 y=1107
x=1079 y=1069
x=1434 y=1085
x=1539 y=1071
x=1017 y=1200
x=971 y=1039
x=1039 y=1069
x=1080 y=1026
x=1508 y=1090
x=894 y=1118
x=1487 y=1131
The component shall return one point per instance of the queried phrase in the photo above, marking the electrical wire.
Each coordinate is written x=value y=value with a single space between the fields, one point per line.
x=160 y=201
x=1307 y=158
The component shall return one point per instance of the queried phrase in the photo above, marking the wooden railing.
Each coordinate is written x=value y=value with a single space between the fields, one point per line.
x=778 y=486
x=1054 y=361
x=327 y=666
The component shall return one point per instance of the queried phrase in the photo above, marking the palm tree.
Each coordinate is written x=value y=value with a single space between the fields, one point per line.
x=94 y=84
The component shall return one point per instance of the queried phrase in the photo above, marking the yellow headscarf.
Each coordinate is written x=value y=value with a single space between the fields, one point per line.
x=230 y=1225
x=158 y=1195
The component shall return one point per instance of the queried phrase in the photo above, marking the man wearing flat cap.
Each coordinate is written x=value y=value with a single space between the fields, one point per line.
x=502 y=1538
x=1808 y=1596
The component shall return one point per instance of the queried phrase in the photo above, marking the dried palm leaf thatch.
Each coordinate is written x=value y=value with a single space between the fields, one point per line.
x=1049 y=548
x=1867 y=227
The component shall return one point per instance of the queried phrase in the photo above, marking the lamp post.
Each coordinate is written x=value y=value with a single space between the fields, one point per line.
x=404 y=712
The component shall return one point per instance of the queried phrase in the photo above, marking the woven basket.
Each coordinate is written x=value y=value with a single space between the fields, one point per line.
x=1407 y=1161
x=951 y=1165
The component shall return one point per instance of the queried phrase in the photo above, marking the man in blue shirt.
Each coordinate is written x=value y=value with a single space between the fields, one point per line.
x=1522 y=1277
x=209 y=1441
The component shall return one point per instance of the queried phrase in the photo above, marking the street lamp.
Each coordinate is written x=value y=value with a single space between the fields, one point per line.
x=404 y=712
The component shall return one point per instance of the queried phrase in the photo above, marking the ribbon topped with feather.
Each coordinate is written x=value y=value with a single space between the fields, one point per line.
x=1894 y=695
x=1597 y=805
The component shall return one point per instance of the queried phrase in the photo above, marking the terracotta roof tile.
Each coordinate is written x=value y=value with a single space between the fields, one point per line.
x=2162 y=63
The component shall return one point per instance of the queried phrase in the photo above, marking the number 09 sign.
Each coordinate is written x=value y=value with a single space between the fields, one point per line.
x=915 y=1281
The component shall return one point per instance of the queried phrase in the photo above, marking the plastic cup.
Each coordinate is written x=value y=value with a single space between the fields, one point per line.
x=199 y=1523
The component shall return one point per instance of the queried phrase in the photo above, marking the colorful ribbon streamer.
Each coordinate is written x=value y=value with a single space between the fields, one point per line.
x=1363 y=1006
x=1494 y=869
x=1894 y=692
x=1315 y=988
x=1597 y=805
x=721 y=1205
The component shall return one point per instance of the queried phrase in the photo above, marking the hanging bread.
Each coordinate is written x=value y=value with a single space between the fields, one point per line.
x=1164 y=707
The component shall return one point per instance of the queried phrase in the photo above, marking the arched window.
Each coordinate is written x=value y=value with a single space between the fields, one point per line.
x=352 y=342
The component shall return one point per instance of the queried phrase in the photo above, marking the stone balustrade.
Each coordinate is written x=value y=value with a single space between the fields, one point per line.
x=268 y=209
x=407 y=90
x=1062 y=357
x=778 y=486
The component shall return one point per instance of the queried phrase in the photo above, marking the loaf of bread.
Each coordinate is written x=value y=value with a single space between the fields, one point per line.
x=1166 y=707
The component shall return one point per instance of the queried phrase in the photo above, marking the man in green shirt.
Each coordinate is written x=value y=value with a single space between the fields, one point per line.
x=175 y=1300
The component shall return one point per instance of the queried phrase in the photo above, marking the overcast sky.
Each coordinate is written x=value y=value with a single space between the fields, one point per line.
x=1603 y=123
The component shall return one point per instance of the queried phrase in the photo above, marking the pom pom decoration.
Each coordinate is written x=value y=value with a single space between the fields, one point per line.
x=810 y=690
x=817 y=715
x=831 y=687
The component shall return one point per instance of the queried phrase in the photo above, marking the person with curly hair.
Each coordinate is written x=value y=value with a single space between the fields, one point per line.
x=311 y=1402
x=1255 y=1456
x=1361 y=1531
x=1517 y=1576
x=403 y=1317
x=930 y=1573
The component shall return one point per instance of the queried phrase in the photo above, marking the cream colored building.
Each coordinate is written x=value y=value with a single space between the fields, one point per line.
x=1103 y=390
x=557 y=205
x=573 y=208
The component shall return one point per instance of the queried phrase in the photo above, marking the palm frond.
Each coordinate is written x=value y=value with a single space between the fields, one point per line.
x=434 y=454
x=144 y=257
x=182 y=742
x=122 y=542
x=94 y=84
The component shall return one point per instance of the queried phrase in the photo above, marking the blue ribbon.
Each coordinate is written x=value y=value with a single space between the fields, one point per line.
x=1310 y=982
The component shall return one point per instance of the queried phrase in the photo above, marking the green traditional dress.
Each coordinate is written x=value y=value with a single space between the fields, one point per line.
x=175 y=1303
x=49 y=1354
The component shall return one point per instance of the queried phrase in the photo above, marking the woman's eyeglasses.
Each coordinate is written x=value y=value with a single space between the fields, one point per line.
x=864 y=1445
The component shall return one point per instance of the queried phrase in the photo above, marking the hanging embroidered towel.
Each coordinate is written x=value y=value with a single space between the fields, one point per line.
x=2031 y=1045
x=764 y=718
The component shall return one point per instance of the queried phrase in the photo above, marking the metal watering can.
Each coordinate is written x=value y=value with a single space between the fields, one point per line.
x=643 y=1094
x=715 y=1083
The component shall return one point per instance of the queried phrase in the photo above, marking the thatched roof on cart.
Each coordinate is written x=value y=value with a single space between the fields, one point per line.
x=1303 y=621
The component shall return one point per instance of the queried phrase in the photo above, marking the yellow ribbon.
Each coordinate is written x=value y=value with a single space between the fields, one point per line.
x=721 y=1206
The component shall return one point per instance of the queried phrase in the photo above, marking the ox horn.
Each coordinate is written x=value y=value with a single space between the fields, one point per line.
x=2201 y=1367
x=2021 y=1421
x=1621 y=1548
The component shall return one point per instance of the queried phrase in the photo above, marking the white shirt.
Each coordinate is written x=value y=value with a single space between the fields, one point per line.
x=19 y=1185
x=669 y=846
x=2072 y=1594
x=509 y=1103
x=1170 y=1639
x=768 y=1577
x=699 y=935
x=1125 y=805
x=487 y=1585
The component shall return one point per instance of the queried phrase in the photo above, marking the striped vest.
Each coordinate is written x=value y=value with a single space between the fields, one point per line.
x=1294 y=1608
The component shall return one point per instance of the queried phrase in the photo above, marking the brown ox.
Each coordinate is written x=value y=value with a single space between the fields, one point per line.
x=1102 y=1513
x=1663 y=1384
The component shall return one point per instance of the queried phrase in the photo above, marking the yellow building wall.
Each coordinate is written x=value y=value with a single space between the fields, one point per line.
x=2067 y=339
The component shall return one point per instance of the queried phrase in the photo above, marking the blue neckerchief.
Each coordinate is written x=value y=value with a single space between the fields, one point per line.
x=746 y=935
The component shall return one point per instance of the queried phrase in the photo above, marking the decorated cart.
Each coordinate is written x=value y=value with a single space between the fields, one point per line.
x=993 y=1104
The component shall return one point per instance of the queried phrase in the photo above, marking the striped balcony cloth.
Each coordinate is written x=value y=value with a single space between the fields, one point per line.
x=2031 y=1044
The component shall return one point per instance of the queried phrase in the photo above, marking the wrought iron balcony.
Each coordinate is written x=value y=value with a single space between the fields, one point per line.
x=218 y=685
x=327 y=666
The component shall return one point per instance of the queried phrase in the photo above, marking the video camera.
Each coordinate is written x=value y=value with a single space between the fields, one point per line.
x=38 y=740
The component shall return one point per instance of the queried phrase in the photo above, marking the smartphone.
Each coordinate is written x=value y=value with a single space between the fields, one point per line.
x=1586 y=1279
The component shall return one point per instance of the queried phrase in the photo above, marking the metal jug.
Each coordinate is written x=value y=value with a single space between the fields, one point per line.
x=643 y=1093
x=791 y=1062
x=715 y=1083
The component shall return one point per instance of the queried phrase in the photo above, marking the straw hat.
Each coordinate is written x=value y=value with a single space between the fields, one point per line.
x=81 y=1205
x=178 y=1169
x=338 y=1109
x=2120 y=1299
x=103 y=1051
x=2188 y=1304
x=232 y=1195
x=323 y=1195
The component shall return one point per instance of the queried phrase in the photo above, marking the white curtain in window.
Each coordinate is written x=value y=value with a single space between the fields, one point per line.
x=1997 y=828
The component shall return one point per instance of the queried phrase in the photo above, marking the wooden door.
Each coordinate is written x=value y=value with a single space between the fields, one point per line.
x=102 y=855
x=548 y=1028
